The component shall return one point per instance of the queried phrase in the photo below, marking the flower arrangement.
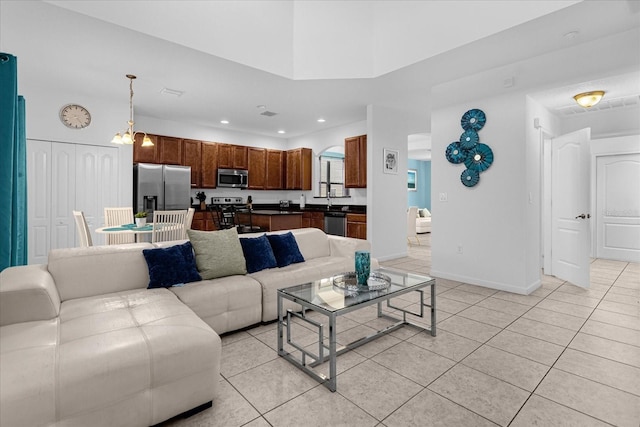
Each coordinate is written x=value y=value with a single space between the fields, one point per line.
x=201 y=196
x=141 y=215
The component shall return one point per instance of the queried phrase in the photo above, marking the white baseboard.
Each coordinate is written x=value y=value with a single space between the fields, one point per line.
x=486 y=283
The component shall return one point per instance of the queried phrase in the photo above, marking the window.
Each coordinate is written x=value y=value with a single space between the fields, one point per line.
x=332 y=175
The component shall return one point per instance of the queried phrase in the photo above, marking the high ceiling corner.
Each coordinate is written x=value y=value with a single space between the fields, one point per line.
x=306 y=40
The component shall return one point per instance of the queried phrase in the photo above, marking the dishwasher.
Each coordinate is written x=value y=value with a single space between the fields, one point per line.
x=335 y=223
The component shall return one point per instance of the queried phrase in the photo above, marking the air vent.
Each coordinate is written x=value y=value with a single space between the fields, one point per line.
x=174 y=92
x=268 y=113
x=604 y=105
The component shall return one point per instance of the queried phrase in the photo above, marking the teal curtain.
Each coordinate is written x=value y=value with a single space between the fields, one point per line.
x=13 y=167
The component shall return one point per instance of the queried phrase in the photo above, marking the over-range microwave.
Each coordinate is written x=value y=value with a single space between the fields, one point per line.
x=235 y=178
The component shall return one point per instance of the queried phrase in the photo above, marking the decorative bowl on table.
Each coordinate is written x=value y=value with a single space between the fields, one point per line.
x=348 y=283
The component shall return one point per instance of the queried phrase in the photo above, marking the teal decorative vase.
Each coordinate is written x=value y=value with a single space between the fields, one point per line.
x=363 y=266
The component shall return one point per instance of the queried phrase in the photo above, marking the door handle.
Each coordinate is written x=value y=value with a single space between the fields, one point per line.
x=583 y=216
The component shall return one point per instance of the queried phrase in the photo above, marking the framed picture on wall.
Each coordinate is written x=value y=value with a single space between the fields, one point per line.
x=412 y=180
x=390 y=161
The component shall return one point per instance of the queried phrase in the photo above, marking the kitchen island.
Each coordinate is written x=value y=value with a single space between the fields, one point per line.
x=272 y=220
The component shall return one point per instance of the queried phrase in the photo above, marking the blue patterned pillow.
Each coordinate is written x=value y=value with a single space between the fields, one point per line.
x=258 y=253
x=285 y=248
x=171 y=266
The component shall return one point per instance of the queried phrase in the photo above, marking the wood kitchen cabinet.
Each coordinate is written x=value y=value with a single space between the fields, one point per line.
x=145 y=154
x=274 y=173
x=232 y=156
x=203 y=221
x=298 y=169
x=169 y=150
x=257 y=166
x=357 y=226
x=313 y=219
x=209 y=165
x=192 y=156
x=355 y=162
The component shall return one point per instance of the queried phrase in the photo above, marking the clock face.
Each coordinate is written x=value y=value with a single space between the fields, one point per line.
x=75 y=116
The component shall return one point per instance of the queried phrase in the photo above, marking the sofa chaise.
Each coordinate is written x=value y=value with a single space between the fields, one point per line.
x=84 y=342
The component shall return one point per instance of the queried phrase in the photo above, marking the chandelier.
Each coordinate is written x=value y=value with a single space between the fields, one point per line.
x=129 y=135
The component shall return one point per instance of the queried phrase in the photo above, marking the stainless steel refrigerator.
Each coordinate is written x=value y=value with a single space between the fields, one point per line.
x=161 y=187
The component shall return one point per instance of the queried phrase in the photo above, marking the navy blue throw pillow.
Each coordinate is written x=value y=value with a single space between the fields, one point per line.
x=171 y=266
x=258 y=253
x=285 y=248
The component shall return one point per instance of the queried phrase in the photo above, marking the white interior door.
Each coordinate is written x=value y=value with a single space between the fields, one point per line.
x=570 y=201
x=63 y=195
x=39 y=200
x=618 y=207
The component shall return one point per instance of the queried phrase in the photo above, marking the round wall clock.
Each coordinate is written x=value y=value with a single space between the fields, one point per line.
x=75 y=116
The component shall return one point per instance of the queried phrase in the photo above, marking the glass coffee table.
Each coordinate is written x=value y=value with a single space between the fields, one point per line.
x=333 y=297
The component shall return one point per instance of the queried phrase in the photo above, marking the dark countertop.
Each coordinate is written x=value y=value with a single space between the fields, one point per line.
x=274 y=212
x=274 y=208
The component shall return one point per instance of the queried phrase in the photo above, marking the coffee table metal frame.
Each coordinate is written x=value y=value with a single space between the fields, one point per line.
x=284 y=322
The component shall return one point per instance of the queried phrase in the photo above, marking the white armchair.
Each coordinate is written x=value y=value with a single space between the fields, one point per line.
x=423 y=221
x=412 y=214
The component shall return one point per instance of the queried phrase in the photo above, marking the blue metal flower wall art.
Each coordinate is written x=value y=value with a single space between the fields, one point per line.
x=476 y=157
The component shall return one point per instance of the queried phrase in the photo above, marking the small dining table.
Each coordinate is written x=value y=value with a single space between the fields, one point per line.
x=126 y=229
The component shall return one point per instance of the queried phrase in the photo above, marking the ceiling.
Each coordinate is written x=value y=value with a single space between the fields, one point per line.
x=303 y=60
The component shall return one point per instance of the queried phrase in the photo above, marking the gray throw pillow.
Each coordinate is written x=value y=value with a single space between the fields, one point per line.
x=218 y=253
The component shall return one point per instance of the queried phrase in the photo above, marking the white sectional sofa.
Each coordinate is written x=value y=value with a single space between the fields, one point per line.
x=84 y=342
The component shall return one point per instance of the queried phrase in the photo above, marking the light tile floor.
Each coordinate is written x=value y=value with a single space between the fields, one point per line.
x=562 y=356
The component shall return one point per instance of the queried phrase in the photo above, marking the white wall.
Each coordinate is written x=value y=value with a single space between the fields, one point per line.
x=386 y=193
x=489 y=221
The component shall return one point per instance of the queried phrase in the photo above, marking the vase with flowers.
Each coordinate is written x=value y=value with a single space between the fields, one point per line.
x=202 y=197
x=141 y=219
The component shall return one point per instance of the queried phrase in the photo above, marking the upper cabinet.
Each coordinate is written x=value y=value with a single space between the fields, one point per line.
x=298 y=169
x=165 y=150
x=209 y=174
x=232 y=156
x=355 y=162
x=274 y=170
x=266 y=169
x=257 y=166
x=145 y=154
x=169 y=150
x=192 y=156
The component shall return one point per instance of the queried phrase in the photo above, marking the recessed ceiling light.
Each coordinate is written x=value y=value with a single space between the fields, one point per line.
x=281 y=131
x=321 y=120
x=224 y=122
x=262 y=107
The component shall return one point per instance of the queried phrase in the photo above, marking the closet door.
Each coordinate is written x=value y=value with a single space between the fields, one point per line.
x=108 y=180
x=63 y=195
x=39 y=200
x=87 y=186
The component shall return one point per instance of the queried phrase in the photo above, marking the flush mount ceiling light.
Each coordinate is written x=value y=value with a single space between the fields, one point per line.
x=281 y=131
x=321 y=120
x=224 y=122
x=129 y=134
x=589 y=99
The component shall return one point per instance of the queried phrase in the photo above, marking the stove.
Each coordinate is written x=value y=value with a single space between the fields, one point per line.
x=227 y=201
